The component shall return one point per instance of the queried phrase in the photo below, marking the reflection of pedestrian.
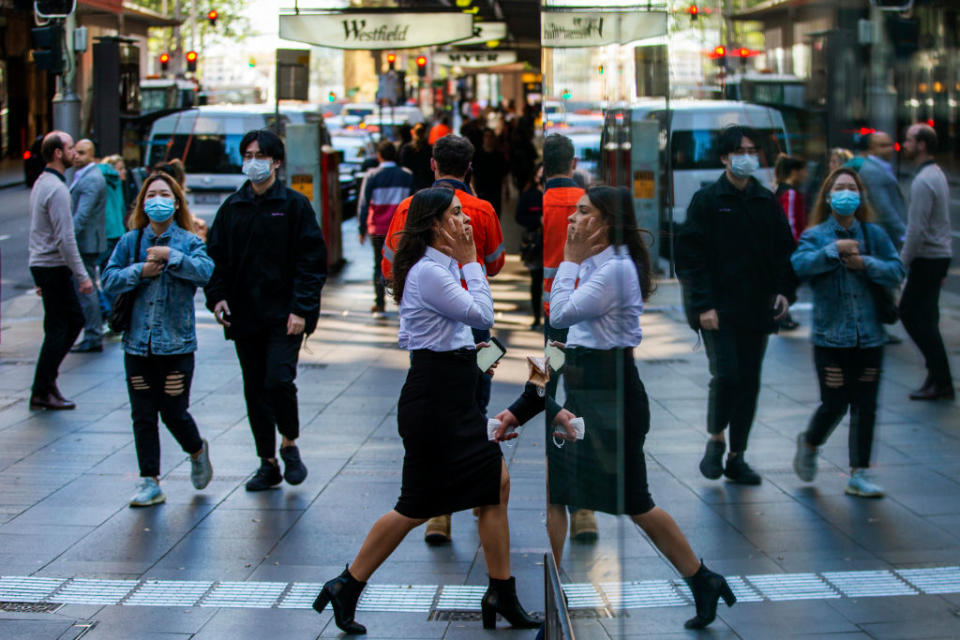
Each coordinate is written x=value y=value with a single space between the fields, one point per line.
x=598 y=294
x=88 y=191
x=449 y=464
x=271 y=264
x=733 y=259
x=161 y=338
x=791 y=174
x=530 y=217
x=844 y=258
x=116 y=211
x=54 y=263
x=926 y=254
x=384 y=189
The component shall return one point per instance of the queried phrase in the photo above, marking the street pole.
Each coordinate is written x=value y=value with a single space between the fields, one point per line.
x=66 y=104
x=881 y=96
x=178 y=66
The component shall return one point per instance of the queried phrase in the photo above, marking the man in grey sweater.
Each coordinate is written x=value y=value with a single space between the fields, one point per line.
x=88 y=193
x=926 y=253
x=54 y=261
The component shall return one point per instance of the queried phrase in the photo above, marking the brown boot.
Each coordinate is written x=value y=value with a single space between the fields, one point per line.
x=583 y=526
x=438 y=530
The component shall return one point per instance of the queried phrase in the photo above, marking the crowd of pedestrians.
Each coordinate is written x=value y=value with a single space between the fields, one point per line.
x=432 y=209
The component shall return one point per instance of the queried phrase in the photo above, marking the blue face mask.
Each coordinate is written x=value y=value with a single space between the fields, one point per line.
x=844 y=203
x=159 y=209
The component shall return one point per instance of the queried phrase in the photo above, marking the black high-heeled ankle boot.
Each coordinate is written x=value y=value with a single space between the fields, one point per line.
x=342 y=593
x=501 y=597
x=707 y=587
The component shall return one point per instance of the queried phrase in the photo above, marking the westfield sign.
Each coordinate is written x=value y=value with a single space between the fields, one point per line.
x=376 y=30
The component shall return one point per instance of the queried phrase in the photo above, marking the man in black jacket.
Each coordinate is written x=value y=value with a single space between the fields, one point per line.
x=270 y=264
x=733 y=259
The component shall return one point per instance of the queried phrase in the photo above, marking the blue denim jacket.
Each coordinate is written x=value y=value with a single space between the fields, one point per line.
x=844 y=309
x=162 y=320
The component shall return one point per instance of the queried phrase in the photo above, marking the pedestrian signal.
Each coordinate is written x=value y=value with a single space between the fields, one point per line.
x=191 y=60
x=48 y=47
x=164 y=62
x=212 y=16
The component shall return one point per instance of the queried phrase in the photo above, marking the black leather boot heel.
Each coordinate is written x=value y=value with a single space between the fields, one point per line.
x=707 y=587
x=342 y=592
x=501 y=597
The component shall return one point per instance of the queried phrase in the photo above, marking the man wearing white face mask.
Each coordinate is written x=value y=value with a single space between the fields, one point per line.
x=270 y=266
x=733 y=259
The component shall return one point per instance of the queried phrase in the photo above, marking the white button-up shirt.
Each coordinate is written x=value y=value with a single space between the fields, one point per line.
x=603 y=311
x=436 y=312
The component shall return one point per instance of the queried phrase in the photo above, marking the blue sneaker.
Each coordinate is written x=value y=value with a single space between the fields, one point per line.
x=201 y=471
x=148 y=494
x=861 y=486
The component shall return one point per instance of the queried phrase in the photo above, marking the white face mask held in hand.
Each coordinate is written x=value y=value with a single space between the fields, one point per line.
x=257 y=169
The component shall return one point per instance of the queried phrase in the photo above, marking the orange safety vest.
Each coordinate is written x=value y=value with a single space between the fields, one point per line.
x=487 y=234
x=437 y=131
x=559 y=202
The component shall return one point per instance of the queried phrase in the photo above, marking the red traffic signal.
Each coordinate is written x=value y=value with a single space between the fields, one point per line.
x=191 y=60
x=719 y=52
x=164 y=61
x=743 y=52
x=693 y=10
x=421 y=61
x=391 y=58
x=212 y=16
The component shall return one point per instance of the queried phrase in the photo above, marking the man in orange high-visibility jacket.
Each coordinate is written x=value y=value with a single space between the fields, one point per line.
x=439 y=130
x=450 y=163
x=560 y=198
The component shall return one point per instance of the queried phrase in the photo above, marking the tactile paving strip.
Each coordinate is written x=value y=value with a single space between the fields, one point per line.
x=460 y=598
x=868 y=584
x=793 y=586
x=254 y=595
x=933 y=580
x=400 y=598
x=583 y=595
x=90 y=591
x=168 y=593
x=638 y=595
x=301 y=595
x=27 y=588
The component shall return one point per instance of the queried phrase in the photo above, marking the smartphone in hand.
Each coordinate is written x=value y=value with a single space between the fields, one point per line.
x=490 y=355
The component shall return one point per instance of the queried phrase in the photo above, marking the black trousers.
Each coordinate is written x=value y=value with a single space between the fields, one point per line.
x=736 y=358
x=269 y=365
x=62 y=322
x=920 y=314
x=160 y=384
x=536 y=292
x=379 y=284
x=848 y=378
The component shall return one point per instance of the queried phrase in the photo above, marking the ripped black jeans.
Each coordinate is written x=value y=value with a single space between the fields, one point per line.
x=160 y=384
x=848 y=378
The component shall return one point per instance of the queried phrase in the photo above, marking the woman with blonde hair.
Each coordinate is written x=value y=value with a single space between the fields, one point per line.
x=848 y=261
x=160 y=262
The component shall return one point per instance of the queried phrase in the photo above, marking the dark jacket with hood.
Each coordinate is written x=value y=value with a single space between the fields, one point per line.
x=270 y=260
x=733 y=255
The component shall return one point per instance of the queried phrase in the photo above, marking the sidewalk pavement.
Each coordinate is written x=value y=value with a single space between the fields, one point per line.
x=223 y=563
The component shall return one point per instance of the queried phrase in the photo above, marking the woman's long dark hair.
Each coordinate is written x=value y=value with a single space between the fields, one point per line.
x=427 y=206
x=616 y=210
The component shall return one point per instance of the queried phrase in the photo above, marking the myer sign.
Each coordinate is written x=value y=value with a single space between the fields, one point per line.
x=376 y=30
x=474 y=58
x=596 y=28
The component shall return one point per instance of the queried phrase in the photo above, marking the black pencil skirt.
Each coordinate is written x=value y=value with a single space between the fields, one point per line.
x=448 y=463
x=606 y=471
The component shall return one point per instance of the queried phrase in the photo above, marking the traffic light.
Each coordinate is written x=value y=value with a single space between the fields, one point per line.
x=212 y=16
x=693 y=11
x=421 y=66
x=331 y=97
x=164 y=62
x=391 y=59
x=48 y=47
x=191 y=60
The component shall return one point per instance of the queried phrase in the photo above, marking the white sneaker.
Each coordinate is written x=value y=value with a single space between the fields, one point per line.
x=148 y=494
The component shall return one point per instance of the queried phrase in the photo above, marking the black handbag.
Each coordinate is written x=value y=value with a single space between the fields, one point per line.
x=119 y=319
x=884 y=298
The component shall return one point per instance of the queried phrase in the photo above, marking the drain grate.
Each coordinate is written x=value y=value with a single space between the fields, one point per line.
x=30 y=607
x=866 y=584
x=935 y=580
x=454 y=616
x=793 y=586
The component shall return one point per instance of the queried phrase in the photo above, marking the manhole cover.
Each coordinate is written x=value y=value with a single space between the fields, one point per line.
x=30 y=607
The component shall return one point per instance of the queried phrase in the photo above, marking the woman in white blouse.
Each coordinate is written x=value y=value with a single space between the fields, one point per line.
x=449 y=464
x=598 y=293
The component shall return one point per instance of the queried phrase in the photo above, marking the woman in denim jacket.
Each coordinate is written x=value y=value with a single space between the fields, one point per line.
x=160 y=340
x=844 y=258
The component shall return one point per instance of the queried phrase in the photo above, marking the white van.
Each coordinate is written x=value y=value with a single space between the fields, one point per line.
x=695 y=126
x=207 y=140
